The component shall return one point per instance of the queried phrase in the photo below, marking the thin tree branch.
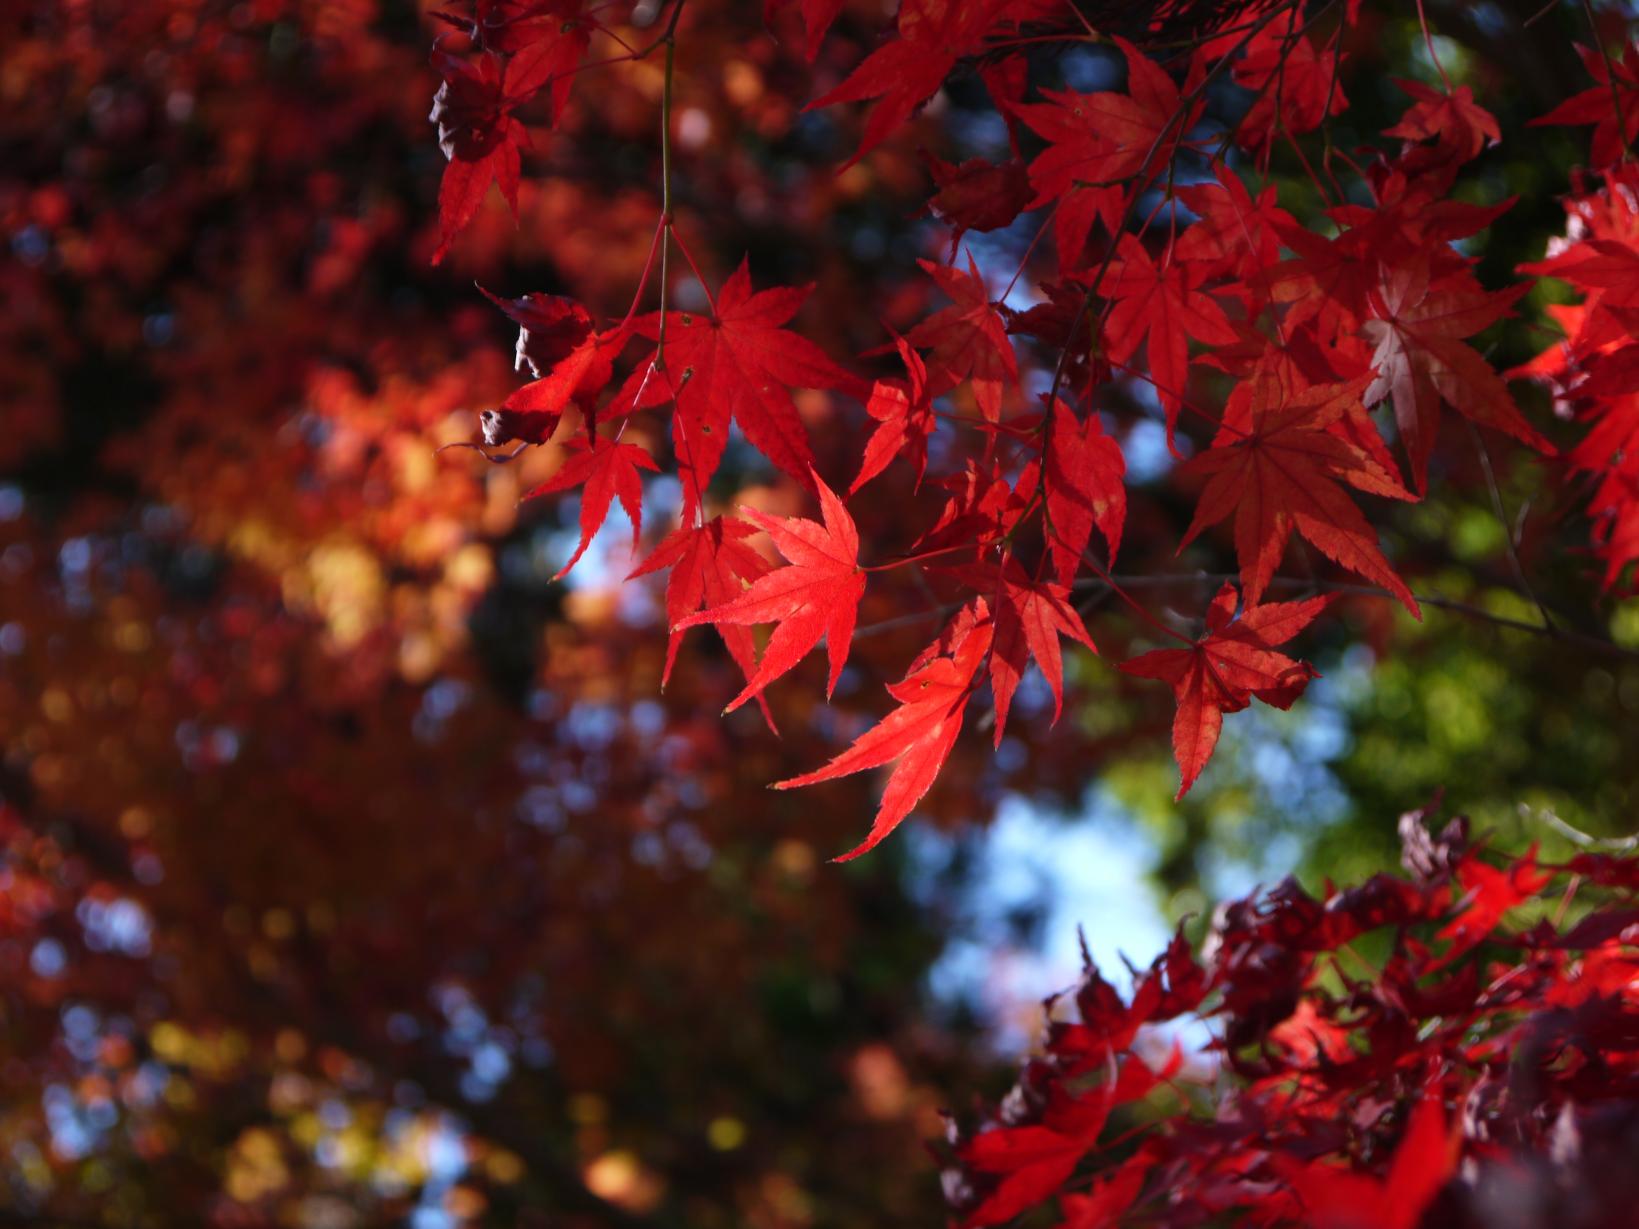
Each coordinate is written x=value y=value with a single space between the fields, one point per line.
x=1608 y=844
x=1553 y=631
x=1610 y=78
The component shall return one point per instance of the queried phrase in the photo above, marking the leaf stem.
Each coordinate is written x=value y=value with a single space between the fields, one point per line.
x=666 y=182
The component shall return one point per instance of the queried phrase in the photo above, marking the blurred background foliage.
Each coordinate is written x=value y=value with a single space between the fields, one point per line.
x=351 y=872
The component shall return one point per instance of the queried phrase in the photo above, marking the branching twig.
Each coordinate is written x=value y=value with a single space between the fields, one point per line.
x=1553 y=631
x=1607 y=844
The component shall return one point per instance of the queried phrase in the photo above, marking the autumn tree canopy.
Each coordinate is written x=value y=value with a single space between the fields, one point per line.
x=457 y=457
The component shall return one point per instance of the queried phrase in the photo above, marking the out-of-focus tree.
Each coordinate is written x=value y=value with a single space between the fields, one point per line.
x=353 y=872
x=356 y=871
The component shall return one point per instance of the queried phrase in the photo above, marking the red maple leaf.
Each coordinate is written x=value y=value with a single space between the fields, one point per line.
x=1224 y=670
x=1037 y=1158
x=1233 y=233
x=710 y=566
x=1106 y=1200
x=904 y=414
x=1488 y=893
x=1107 y=137
x=976 y=195
x=1297 y=87
x=1611 y=106
x=1163 y=303
x=903 y=73
x=736 y=363
x=983 y=506
x=1420 y=359
x=1061 y=325
x=1327 y=280
x=610 y=471
x=968 y=339
x=1605 y=266
x=546 y=39
x=479 y=136
x=1073 y=218
x=1336 y=1198
x=1276 y=466
x=579 y=374
x=550 y=327
x=1454 y=121
x=1030 y=616
x=817 y=595
x=919 y=733
x=1084 y=486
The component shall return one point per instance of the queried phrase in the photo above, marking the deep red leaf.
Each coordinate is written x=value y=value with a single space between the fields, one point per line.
x=817 y=595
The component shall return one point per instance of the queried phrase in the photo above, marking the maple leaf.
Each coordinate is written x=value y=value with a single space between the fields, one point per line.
x=977 y=195
x=1029 y=617
x=919 y=733
x=1073 y=218
x=1276 y=467
x=1225 y=669
x=1107 y=137
x=544 y=41
x=1488 y=893
x=968 y=339
x=1305 y=362
x=1306 y=1035
x=817 y=595
x=1454 y=121
x=479 y=136
x=532 y=413
x=1233 y=233
x=1334 y=281
x=550 y=327
x=1606 y=266
x=1420 y=359
x=736 y=363
x=1611 y=105
x=547 y=40
x=1327 y=280
x=1107 y=1200
x=610 y=471
x=1164 y=304
x=1061 y=325
x=1037 y=1158
x=1296 y=86
x=710 y=566
x=1084 y=487
x=904 y=72
x=1336 y=1198
x=983 y=506
x=905 y=419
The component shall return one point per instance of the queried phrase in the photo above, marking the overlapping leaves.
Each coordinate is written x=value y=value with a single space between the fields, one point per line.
x=1301 y=359
x=1470 y=1063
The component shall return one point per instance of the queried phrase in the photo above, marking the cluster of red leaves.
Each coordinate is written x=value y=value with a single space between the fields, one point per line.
x=1484 y=1070
x=523 y=49
x=1594 y=371
x=1347 y=349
